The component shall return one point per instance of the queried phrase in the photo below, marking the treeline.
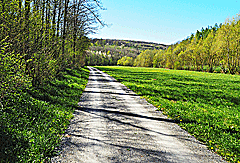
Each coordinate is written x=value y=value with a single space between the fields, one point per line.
x=103 y=55
x=44 y=36
x=140 y=45
x=39 y=39
x=211 y=49
x=107 y=51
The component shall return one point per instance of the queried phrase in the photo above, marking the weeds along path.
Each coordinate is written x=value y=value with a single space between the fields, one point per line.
x=113 y=124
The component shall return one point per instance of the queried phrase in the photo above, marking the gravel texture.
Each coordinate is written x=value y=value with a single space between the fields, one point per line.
x=113 y=124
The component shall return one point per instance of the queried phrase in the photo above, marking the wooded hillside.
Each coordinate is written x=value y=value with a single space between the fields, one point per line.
x=109 y=51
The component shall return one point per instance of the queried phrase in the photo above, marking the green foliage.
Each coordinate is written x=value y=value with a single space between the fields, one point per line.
x=108 y=51
x=158 y=59
x=125 y=61
x=33 y=121
x=208 y=49
x=12 y=77
x=108 y=55
x=38 y=42
x=207 y=105
x=48 y=36
x=145 y=59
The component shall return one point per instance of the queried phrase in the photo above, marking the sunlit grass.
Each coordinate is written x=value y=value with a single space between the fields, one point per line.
x=205 y=104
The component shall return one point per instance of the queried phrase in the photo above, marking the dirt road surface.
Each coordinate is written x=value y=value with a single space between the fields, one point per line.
x=113 y=124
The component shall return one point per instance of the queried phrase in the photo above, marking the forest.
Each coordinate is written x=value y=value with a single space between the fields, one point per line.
x=43 y=37
x=213 y=49
x=43 y=44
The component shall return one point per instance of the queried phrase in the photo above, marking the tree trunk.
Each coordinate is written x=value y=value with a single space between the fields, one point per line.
x=64 y=25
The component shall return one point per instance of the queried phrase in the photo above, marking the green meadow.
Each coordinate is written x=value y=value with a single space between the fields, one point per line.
x=34 y=122
x=207 y=105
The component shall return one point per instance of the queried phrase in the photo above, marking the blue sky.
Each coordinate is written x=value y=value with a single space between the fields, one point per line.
x=162 y=21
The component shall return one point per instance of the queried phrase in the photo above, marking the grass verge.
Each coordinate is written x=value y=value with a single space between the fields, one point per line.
x=207 y=105
x=33 y=122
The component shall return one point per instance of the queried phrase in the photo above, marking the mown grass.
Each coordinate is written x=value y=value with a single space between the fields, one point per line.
x=33 y=123
x=207 y=105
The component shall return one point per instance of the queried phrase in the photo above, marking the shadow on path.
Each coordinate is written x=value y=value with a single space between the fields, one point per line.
x=154 y=154
x=95 y=111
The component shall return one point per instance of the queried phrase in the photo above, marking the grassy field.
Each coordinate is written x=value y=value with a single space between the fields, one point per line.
x=207 y=105
x=33 y=124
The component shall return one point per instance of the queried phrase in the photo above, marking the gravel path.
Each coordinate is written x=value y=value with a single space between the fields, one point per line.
x=113 y=124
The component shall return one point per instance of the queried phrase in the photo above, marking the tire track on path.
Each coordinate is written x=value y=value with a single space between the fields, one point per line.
x=113 y=124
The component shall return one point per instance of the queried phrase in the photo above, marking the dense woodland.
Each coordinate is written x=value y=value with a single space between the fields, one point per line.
x=42 y=37
x=213 y=49
x=39 y=41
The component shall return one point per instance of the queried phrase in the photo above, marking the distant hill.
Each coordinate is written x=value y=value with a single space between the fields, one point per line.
x=139 y=45
x=109 y=51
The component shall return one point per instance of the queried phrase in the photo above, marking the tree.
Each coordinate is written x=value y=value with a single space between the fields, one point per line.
x=227 y=45
x=49 y=34
x=158 y=59
x=125 y=61
x=145 y=59
x=207 y=56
